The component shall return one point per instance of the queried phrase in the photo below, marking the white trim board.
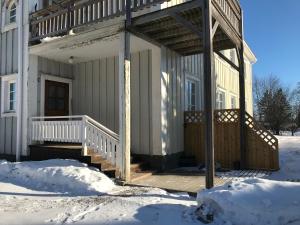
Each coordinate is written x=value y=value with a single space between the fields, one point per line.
x=45 y=77
x=7 y=78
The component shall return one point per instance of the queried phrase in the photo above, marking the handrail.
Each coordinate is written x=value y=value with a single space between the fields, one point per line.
x=77 y=129
x=101 y=127
x=82 y=117
x=260 y=130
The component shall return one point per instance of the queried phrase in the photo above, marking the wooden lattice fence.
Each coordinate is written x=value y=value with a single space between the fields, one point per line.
x=261 y=145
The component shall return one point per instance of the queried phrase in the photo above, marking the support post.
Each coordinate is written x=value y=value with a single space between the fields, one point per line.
x=20 y=102
x=124 y=107
x=240 y=50
x=209 y=101
x=124 y=99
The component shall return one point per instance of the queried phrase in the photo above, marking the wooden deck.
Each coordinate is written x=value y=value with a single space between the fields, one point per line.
x=176 y=182
x=192 y=182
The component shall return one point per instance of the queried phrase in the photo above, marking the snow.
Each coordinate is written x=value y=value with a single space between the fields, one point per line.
x=289 y=157
x=271 y=200
x=253 y=201
x=59 y=176
x=50 y=39
x=69 y=192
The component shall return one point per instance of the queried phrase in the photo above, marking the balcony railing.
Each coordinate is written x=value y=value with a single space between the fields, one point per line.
x=83 y=14
x=232 y=11
x=92 y=11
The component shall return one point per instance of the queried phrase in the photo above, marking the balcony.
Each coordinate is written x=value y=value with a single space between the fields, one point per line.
x=59 y=20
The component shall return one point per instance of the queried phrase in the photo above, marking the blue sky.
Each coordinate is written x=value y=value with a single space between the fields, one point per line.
x=272 y=30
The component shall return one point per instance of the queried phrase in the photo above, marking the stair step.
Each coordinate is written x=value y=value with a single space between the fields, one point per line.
x=137 y=167
x=135 y=176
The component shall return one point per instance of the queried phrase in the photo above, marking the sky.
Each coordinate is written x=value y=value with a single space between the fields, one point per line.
x=272 y=30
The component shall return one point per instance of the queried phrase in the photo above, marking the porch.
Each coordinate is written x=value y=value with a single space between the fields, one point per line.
x=184 y=28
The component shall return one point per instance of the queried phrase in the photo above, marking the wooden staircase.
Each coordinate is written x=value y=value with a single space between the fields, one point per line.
x=261 y=145
x=139 y=169
x=71 y=151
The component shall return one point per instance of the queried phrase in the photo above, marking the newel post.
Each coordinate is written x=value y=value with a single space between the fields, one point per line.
x=84 y=135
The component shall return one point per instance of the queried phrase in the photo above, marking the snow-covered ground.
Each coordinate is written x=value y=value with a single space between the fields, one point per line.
x=249 y=201
x=68 y=192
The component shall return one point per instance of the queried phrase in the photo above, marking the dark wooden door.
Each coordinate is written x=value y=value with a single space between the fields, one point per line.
x=56 y=98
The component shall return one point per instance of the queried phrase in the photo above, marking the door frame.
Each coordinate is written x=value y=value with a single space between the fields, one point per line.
x=49 y=77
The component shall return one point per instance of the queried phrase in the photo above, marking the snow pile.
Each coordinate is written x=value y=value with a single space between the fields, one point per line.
x=49 y=39
x=289 y=156
x=59 y=176
x=252 y=201
x=5 y=168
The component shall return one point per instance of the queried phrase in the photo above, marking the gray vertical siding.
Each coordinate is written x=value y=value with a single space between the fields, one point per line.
x=96 y=93
x=9 y=52
x=51 y=67
x=172 y=102
x=8 y=65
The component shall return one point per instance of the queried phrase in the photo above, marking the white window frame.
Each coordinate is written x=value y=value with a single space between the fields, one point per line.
x=236 y=101
x=49 y=77
x=6 y=80
x=196 y=81
x=9 y=13
x=189 y=96
x=6 y=9
x=217 y=99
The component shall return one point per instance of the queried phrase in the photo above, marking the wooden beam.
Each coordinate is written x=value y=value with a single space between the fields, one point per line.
x=170 y=34
x=183 y=45
x=228 y=61
x=209 y=100
x=228 y=29
x=215 y=27
x=140 y=20
x=179 y=39
x=242 y=102
x=187 y=24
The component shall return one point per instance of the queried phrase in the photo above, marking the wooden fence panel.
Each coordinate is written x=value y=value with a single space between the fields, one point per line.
x=262 y=146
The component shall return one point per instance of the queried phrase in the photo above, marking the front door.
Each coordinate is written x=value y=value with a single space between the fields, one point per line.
x=56 y=98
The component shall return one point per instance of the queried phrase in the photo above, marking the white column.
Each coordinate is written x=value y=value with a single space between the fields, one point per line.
x=123 y=155
x=19 y=80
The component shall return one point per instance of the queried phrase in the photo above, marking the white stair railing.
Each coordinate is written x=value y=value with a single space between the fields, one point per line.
x=76 y=129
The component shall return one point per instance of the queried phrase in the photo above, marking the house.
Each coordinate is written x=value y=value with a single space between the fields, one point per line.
x=67 y=76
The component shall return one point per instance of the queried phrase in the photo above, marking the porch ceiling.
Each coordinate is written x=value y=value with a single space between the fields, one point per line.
x=85 y=47
x=178 y=28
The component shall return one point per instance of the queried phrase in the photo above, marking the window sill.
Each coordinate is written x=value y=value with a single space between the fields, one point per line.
x=9 y=27
x=9 y=114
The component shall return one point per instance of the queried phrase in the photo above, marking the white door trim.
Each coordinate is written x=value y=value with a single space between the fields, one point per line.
x=45 y=77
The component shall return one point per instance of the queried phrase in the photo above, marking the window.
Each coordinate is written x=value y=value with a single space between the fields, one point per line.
x=233 y=102
x=220 y=101
x=8 y=95
x=12 y=13
x=191 y=95
x=12 y=96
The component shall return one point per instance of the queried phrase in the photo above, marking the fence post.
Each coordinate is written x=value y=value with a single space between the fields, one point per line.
x=84 y=135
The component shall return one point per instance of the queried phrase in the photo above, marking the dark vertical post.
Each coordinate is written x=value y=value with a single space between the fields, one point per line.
x=242 y=99
x=209 y=100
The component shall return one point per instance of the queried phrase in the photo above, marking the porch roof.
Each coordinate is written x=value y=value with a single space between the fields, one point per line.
x=180 y=29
